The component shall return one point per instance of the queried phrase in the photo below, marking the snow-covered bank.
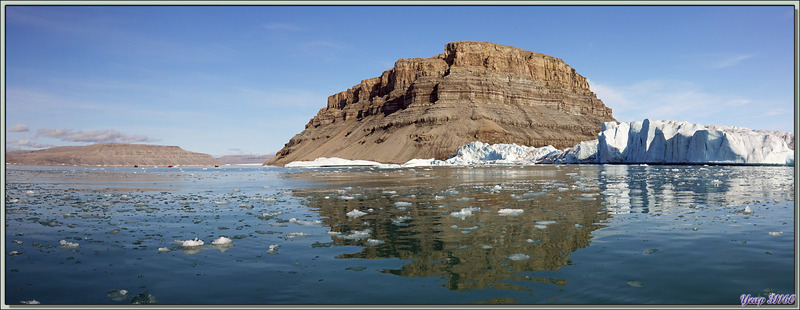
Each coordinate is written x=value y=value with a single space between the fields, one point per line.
x=645 y=142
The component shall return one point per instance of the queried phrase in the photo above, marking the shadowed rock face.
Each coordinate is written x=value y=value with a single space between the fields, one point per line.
x=111 y=154
x=427 y=108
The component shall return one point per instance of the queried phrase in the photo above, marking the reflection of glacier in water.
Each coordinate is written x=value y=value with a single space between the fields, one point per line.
x=640 y=188
x=562 y=234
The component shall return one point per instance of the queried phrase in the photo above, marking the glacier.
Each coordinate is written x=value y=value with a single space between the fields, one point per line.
x=636 y=142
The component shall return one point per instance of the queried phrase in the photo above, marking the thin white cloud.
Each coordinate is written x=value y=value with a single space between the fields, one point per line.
x=669 y=100
x=18 y=128
x=729 y=61
x=26 y=144
x=92 y=136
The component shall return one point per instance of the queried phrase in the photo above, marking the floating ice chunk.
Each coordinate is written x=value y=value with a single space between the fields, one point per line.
x=221 y=202
x=578 y=226
x=775 y=233
x=117 y=295
x=295 y=235
x=389 y=192
x=163 y=250
x=30 y=193
x=486 y=247
x=355 y=213
x=748 y=210
x=437 y=197
x=222 y=241
x=650 y=251
x=30 y=302
x=402 y=204
x=143 y=299
x=539 y=226
x=509 y=212
x=14 y=253
x=518 y=257
x=273 y=249
x=375 y=242
x=346 y=197
x=269 y=200
x=545 y=222
x=400 y=220
x=355 y=234
x=304 y=222
x=634 y=283
x=497 y=187
x=464 y=213
x=68 y=245
x=13 y=200
x=192 y=243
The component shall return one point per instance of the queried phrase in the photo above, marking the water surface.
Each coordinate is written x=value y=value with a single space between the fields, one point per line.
x=548 y=234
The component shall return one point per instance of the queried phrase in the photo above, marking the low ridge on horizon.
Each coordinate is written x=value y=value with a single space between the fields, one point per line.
x=110 y=154
x=428 y=107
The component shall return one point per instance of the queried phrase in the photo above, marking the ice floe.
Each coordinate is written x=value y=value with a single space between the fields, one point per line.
x=68 y=245
x=192 y=243
x=355 y=213
x=464 y=212
x=518 y=257
x=222 y=241
x=510 y=212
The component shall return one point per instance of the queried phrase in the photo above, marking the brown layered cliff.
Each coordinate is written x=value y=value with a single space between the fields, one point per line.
x=427 y=108
x=111 y=154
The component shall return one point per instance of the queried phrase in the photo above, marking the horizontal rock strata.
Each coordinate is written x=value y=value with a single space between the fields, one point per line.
x=427 y=108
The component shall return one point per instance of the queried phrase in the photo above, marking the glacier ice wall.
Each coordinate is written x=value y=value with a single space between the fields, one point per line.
x=678 y=142
x=645 y=142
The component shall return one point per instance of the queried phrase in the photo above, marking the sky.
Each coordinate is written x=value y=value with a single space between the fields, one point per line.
x=245 y=79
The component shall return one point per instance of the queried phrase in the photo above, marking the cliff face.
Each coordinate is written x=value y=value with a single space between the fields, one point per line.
x=111 y=154
x=427 y=108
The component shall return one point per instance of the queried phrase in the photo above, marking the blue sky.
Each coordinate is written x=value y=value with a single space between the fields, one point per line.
x=245 y=79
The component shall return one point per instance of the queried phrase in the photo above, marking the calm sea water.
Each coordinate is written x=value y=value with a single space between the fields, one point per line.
x=571 y=234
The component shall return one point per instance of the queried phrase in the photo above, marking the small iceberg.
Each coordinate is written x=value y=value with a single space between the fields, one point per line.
x=117 y=295
x=518 y=257
x=273 y=249
x=68 y=245
x=192 y=243
x=510 y=212
x=222 y=241
x=464 y=213
x=375 y=242
x=355 y=213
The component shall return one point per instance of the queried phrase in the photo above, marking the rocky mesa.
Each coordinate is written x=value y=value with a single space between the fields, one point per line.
x=428 y=107
x=111 y=154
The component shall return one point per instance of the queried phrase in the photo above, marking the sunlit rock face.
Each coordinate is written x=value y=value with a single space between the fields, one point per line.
x=427 y=108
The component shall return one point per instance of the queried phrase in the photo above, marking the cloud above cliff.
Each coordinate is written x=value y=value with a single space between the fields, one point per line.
x=18 y=128
x=91 y=136
x=668 y=99
x=25 y=143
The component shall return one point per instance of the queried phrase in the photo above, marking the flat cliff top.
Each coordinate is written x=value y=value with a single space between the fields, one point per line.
x=110 y=154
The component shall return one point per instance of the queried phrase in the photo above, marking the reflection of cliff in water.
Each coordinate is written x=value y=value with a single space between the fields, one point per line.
x=445 y=221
